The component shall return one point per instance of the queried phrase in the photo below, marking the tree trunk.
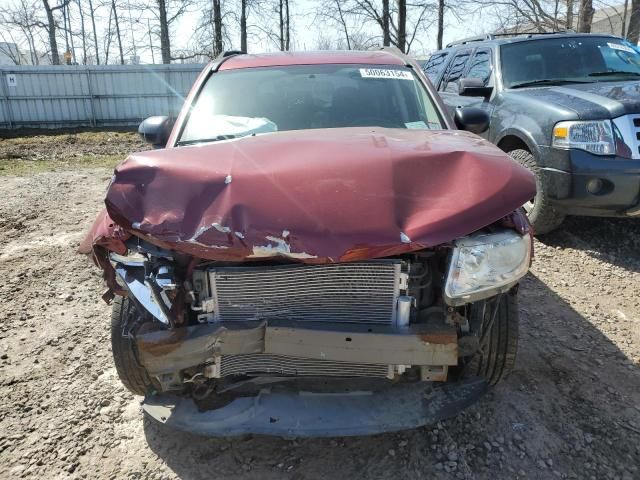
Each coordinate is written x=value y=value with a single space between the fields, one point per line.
x=402 y=25
x=440 y=23
x=586 y=16
x=569 y=22
x=344 y=24
x=95 y=33
x=82 y=31
x=53 y=44
x=217 y=23
x=633 y=33
x=386 y=34
x=165 y=44
x=243 y=26
x=623 y=30
x=281 y=28
x=287 y=44
x=115 y=18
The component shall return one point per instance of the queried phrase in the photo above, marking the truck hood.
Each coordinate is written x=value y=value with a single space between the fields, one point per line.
x=590 y=101
x=314 y=196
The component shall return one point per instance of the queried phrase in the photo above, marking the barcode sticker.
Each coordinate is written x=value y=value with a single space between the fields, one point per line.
x=624 y=48
x=385 y=73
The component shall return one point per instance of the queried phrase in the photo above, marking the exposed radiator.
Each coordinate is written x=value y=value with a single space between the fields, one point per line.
x=262 y=363
x=363 y=292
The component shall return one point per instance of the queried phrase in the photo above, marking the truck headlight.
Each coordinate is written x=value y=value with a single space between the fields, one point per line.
x=485 y=265
x=594 y=136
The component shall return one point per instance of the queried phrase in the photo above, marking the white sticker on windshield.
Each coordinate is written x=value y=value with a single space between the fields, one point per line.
x=624 y=48
x=385 y=73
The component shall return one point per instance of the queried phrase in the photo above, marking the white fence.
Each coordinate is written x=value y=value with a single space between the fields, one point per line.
x=94 y=96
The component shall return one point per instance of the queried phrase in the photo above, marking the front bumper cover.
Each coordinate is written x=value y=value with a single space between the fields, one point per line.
x=306 y=414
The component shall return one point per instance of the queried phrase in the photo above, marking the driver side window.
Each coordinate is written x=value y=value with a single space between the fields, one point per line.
x=481 y=67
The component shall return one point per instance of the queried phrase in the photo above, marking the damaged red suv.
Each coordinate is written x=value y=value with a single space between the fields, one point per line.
x=316 y=250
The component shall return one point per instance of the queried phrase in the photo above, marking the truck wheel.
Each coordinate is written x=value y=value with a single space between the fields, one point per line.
x=124 y=317
x=542 y=215
x=498 y=345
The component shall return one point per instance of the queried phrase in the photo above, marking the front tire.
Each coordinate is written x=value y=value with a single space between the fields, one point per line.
x=498 y=333
x=124 y=319
x=544 y=217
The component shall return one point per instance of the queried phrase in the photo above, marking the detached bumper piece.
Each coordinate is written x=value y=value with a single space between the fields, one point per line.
x=288 y=348
x=303 y=414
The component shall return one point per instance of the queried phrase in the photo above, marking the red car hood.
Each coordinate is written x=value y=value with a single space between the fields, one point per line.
x=315 y=195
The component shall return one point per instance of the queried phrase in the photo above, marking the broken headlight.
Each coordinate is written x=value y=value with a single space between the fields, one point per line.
x=485 y=265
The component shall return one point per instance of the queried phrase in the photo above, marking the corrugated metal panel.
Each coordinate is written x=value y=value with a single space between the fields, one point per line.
x=104 y=95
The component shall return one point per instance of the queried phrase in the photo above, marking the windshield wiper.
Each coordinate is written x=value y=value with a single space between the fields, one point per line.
x=546 y=81
x=614 y=72
x=206 y=140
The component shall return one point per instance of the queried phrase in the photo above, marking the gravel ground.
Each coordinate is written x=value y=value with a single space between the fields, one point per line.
x=571 y=409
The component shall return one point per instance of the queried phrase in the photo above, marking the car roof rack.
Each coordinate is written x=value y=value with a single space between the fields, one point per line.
x=493 y=36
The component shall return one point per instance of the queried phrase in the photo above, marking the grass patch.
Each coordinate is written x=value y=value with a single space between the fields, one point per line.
x=21 y=167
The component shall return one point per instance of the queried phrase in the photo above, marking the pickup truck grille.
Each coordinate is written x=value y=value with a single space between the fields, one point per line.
x=359 y=292
x=629 y=128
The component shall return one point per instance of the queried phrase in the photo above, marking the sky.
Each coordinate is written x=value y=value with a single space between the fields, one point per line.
x=307 y=28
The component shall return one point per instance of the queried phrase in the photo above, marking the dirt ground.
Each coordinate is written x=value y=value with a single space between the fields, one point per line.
x=571 y=409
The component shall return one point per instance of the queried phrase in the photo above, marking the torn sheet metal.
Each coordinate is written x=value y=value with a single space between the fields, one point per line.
x=339 y=194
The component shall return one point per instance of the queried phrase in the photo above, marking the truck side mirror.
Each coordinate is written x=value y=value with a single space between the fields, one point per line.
x=473 y=87
x=472 y=119
x=156 y=130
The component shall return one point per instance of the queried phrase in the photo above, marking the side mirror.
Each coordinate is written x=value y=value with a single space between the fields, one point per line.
x=156 y=130
x=472 y=119
x=473 y=87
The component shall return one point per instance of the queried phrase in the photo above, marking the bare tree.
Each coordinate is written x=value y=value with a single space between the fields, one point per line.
x=586 y=16
x=22 y=17
x=284 y=25
x=633 y=33
x=217 y=23
x=95 y=33
x=114 y=12
x=402 y=25
x=243 y=25
x=440 y=34
x=51 y=28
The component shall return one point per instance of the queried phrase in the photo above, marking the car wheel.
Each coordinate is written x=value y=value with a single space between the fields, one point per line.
x=498 y=338
x=543 y=216
x=124 y=319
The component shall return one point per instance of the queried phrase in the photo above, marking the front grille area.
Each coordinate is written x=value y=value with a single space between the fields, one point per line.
x=628 y=127
x=362 y=292
x=262 y=363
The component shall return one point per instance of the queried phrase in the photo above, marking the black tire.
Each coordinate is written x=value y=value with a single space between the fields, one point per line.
x=499 y=345
x=543 y=216
x=124 y=317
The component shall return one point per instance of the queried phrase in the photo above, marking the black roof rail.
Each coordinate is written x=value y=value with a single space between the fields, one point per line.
x=493 y=36
x=228 y=53
x=220 y=59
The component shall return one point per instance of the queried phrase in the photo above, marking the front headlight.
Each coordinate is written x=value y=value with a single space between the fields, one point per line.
x=594 y=136
x=485 y=265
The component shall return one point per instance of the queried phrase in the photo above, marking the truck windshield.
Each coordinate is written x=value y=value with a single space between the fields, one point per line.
x=568 y=60
x=251 y=101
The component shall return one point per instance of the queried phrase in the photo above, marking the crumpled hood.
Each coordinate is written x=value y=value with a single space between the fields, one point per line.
x=316 y=195
x=589 y=101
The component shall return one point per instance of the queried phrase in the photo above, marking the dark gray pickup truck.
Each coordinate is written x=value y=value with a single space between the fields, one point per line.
x=565 y=105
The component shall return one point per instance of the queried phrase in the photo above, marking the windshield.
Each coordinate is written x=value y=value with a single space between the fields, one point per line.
x=250 y=101
x=568 y=60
